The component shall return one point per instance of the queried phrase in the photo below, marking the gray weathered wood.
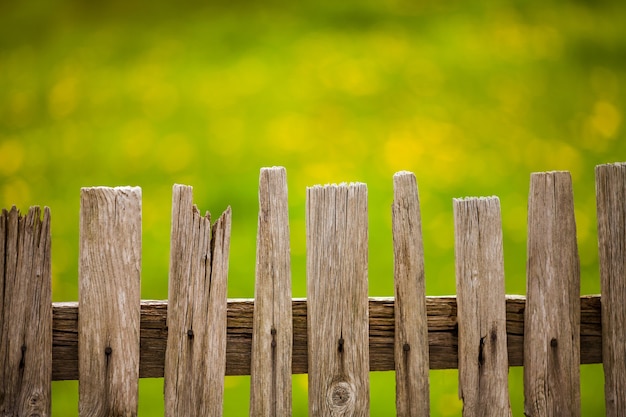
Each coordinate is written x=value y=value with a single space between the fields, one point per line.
x=552 y=320
x=442 y=335
x=336 y=220
x=25 y=313
x=411 y=327
x=109 y=296
x=270 y=383
x=481 y=304
x=611 y=198
x=195 y=359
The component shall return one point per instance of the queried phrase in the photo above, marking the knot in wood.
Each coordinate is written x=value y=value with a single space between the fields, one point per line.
x=341 y=395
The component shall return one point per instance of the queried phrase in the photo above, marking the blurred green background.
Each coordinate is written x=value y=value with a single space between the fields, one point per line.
x=471 y=96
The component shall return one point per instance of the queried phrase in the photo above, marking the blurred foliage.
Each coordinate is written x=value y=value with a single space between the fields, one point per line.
x=471 y=96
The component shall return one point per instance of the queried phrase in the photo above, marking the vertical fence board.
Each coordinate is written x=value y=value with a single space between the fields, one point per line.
x=25 y=313
x=611 y=198
x=338 y=348
x=109 y=297
x=481 y=304
x=552 y=317
x=411 y=327
x=195 y=358
x=270 y=384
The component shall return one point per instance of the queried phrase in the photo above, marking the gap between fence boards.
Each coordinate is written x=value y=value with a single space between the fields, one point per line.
x=442 y=335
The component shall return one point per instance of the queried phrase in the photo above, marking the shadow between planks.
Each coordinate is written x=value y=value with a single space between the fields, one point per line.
x=442 y=335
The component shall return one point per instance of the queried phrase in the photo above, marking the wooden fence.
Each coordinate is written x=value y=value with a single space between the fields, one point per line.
x=338 y=334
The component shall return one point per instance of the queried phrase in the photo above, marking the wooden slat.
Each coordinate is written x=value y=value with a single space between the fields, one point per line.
x=481 y=302
x=552 y=321
x=442 y=335
x=25 y=313
x=336 y=219
x=270 y=384
x=411 y=327
x=195 y=359
x=109 y=296
x=611 y=198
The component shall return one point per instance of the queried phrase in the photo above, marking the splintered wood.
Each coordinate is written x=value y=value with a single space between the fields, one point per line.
x=270 y=372
x=552 y=318
x=25 y=313
x=336 y=218
x=481 y=304
x=411 y=328
x=195 y=359
x=109 y=295
x=611 y=196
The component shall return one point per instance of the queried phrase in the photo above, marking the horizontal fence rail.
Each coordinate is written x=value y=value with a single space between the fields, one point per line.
x=442 y=335
x=111 y=338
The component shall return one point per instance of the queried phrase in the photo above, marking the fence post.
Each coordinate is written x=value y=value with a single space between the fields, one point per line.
x=481 y=303
x=411 y=328
x=270 y=369
x=336 y=218
x=611 y=200
x=25 y=313
x=552 y=317
x=195 y=358
x=109 y=301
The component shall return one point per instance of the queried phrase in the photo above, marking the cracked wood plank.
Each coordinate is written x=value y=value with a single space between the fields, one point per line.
x=195 y=357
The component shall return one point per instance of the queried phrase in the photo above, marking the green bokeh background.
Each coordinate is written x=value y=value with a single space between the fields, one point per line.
x=471 y=96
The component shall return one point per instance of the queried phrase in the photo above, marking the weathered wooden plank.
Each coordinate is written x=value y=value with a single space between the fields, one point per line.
x=611 y=200
x=195 y=358
x=25 y=313
x=270 y=384
x=109 y=296
x=411 y=327
x=481 y=303
x=552 y=320
x=336 y=218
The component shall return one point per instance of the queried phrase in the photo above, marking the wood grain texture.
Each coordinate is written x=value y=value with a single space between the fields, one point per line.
x=611 y=205
x=336 y=220
x=25 y=313
x=195 y=358
x=411 y=326
x=552 y=320
x=442 y=335
x=270 y=383
x=109 y=296
x=481 y=303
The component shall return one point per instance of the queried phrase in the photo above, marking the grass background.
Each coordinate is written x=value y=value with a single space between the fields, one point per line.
x=471 y=96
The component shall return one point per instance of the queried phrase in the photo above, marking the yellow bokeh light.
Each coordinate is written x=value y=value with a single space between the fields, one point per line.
x=11 y=157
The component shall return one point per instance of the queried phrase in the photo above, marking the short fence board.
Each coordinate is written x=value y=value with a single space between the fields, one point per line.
x=481 y=303
x=25 y=313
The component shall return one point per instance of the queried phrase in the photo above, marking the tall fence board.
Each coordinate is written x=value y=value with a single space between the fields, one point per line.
x=109 y=296
x=552 y=319
x=338 y=335
x=611 y=196
x=336 y=219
